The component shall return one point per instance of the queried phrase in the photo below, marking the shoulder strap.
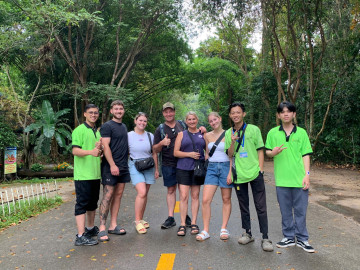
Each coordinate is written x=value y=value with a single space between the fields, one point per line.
x=241 y=138
x=216 y=144
x=162 y=132
x=192 y=140
x=149 y=141
x=182 y=124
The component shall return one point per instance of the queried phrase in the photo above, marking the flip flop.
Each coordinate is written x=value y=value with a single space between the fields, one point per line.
x=118 y=230
x=202 y=236
x=145 y=223
x=101 y=234
x=224 y=234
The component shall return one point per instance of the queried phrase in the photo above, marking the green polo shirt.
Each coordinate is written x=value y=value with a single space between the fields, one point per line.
x=87 y=167
x=246 y=159
x=289 y=165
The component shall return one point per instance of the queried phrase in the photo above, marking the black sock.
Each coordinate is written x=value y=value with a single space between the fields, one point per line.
x=248 y=231
x=265 y=236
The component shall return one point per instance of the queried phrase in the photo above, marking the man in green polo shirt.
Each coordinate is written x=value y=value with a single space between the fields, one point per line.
x=290 y=147
x=244 y=144
x=86 y=148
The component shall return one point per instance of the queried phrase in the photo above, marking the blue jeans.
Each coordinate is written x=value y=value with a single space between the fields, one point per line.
x=293 y=204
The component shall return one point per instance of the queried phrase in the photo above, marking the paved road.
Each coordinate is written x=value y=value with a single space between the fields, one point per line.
x=47 y=241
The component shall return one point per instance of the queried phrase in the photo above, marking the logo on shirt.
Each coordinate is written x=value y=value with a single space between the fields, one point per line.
x=200 y=136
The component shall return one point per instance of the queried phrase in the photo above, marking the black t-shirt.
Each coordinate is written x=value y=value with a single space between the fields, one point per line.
x=168 y=158
x=117 y=132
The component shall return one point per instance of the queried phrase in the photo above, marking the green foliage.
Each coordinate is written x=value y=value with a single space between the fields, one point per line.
x=37 y=167
x=7 y=136
x=25 y=212
x=50 y=126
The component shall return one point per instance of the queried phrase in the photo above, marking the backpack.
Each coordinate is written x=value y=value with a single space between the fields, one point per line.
x=161 y=127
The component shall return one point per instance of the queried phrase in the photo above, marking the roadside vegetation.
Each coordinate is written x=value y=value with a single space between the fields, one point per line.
x=25 y=212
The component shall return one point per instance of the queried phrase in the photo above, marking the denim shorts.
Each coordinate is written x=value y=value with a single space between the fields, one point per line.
x=169 y=176
x=147 y=176
x=217 y=173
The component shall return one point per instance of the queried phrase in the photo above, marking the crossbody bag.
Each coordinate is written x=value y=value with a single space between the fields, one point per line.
x=147 y=163
x=213 y=148
x=199 y=168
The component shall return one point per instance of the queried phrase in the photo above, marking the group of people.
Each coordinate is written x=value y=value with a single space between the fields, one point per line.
x=233 y=159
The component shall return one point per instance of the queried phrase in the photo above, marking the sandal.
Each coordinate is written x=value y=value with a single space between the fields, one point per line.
x=194 y=229
x=118 y=230
x=202 y=236
x=145 y=223
x=224 y=234
x=181 y=231
x=102 y=234
x=140 y=228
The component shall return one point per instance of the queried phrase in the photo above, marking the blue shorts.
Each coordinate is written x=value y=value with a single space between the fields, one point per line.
x=217 y=173
x=169 y=176
x=147 y=176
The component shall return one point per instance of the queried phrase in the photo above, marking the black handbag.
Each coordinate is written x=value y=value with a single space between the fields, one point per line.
x=199 y=168
x=147 y=163
x=233 y=166
x=212 y=150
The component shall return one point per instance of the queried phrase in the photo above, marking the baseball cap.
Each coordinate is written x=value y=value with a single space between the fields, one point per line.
x=168 y=105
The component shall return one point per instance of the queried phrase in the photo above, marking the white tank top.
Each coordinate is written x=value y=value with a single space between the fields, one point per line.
x=219 y=154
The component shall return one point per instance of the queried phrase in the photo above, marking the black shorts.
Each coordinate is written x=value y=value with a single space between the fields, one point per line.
x=113 y=180
x=187 y=178
x=87 y=195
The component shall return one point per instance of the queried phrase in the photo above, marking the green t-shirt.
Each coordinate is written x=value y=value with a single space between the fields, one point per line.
x=289 y=165
x=86 y=167
x=246 y=159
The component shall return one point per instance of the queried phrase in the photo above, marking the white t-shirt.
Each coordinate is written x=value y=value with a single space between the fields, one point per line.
x=139 y=145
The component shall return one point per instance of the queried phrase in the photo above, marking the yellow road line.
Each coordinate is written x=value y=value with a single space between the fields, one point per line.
x=166 y=261
x=177 y=207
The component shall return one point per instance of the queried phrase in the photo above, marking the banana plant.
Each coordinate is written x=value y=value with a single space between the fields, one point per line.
x=50 y=130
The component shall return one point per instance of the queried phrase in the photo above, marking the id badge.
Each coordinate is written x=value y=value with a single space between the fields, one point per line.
x=243 y=154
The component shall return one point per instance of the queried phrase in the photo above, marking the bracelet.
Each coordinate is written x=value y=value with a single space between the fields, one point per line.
x=308 y=173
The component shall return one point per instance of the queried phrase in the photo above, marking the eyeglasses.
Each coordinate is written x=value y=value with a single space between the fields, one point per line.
x=93 y=113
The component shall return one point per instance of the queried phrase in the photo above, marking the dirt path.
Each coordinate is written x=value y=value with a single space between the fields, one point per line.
x=337 y=189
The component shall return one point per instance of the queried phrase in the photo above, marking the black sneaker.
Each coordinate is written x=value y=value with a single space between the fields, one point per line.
x=93 y=232
x=169 y=222
x=188 y=221
x=305 y=246
x=85 y=241
x=285 y=242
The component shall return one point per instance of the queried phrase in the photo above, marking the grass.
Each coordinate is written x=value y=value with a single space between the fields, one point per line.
x=25 y=212
x=35 y=181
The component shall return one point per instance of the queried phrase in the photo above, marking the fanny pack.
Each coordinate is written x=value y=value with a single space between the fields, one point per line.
x=147 y=163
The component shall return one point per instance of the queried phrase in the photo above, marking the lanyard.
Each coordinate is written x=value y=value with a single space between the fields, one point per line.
x=242 y=137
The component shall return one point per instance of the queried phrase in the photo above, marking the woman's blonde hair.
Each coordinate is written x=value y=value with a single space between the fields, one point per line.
x=216 y=114
x=191 y=113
